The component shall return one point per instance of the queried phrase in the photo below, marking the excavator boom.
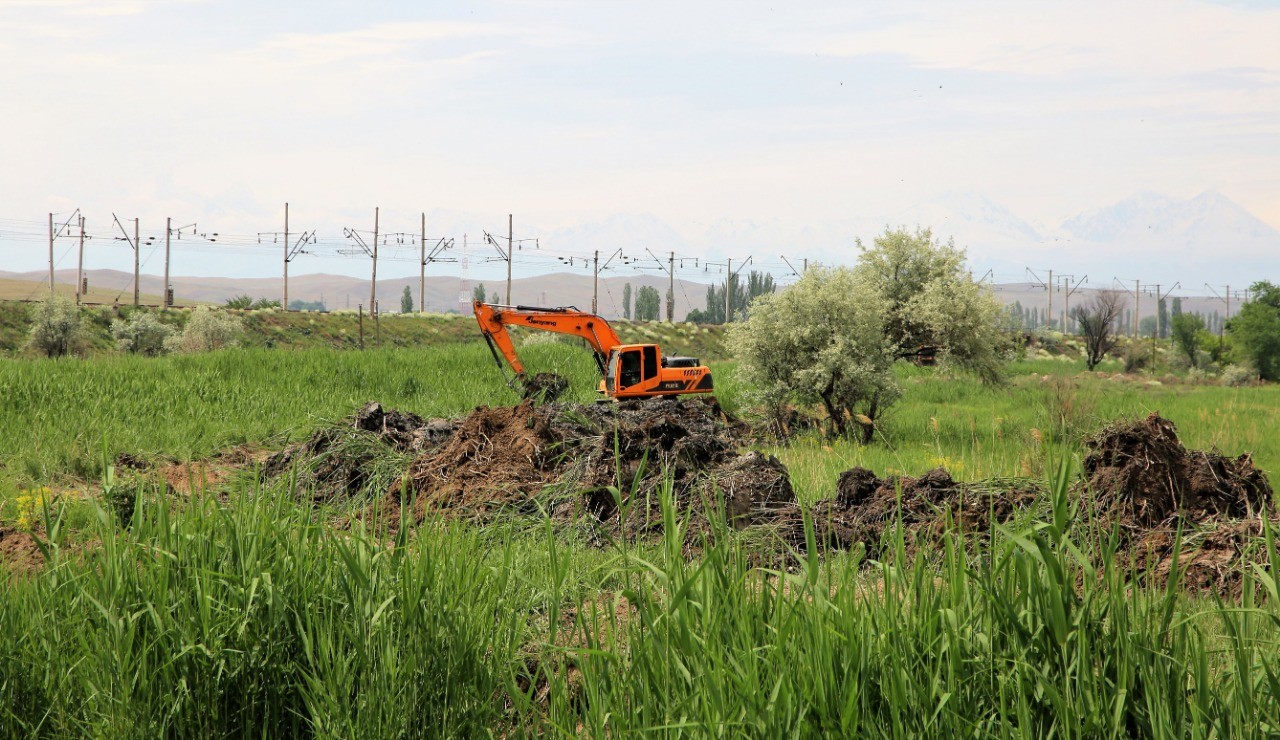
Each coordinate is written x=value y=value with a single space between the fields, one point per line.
x=495 y=319
x=628 y=371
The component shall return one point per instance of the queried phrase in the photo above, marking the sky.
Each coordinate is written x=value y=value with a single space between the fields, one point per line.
x=815 y=121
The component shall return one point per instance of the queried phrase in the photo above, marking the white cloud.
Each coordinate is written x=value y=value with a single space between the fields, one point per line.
x=1146 y=37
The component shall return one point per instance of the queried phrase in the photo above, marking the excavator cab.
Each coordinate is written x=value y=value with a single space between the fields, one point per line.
x=631 y=369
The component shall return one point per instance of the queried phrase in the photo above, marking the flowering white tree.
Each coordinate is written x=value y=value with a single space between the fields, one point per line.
x=833 y=337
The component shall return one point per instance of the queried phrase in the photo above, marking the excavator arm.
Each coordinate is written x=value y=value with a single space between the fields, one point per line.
x=494 y=320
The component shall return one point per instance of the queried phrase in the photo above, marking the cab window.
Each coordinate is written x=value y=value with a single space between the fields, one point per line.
x=650 y=362
x=630 y=370
x=611 y=377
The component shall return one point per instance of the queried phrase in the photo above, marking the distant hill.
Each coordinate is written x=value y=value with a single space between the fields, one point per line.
x=341 y=291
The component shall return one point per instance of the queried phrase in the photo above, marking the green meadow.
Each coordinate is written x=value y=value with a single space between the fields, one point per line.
x=244 y=611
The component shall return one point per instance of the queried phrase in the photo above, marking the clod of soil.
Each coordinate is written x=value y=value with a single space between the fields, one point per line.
x=1139 y=476
x=867 y=508
x=1140 y=479
x=543 y=387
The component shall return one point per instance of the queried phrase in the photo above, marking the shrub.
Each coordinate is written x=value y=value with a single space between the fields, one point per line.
x=55 y=326
x=206 y=330
x=1178 y=362
x=143 y=334
x=1238 y=375
x=245 y=302
x=1136 y=357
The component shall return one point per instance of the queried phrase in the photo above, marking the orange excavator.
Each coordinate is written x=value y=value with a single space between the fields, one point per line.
x=628 y=370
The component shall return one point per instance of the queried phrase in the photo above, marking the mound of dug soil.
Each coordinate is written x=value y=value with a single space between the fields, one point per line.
x=606 y=460
x=866 y=508
x=1140 y=476
x=1140 y=479
x=337 y=462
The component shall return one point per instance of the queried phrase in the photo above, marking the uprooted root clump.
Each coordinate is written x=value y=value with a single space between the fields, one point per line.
x=866 y=509
x=605 y=460
x=1144 y=484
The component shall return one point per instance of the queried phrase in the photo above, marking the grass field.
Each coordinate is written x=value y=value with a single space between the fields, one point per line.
x=274 y=329
x=248 y=613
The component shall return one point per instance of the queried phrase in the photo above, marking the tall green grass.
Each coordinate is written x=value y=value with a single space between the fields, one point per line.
x=249 y=617
x=56 y=417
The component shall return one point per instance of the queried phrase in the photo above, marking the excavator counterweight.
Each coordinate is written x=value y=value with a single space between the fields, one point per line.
x=627 y=370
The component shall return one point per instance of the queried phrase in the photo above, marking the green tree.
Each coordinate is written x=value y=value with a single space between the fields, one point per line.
x=142 y=334
x=822 y=340
x=626 y=301
x=478 y=293
x=406 y=300
x=1255 y=331
x=932 y=299
x=833 y=337
x=1162 y=318
x=1186 y=335
x=648 y=303
x=247 y=303
x=55 y=326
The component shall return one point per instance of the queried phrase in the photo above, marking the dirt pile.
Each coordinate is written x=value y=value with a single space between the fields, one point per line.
x=341 y=461
x=1139 y=476
x=1142 y=481
x=867 y=508
x=606 y=460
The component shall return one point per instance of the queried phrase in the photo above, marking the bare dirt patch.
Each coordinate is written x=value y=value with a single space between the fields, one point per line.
x=19 y=552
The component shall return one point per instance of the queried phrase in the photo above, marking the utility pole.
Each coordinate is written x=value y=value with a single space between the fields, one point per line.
x=373 y=281
x=1066 y=298
x=1226 y=298
x=422 y=268
x=133 y=243
x=510 y=256
x=1137 y=301
x=52 y=235
x=50 y=253
x=671 y=288
x=164 y=290
x=137 y=264
x=80 y=267
x=285 y=292
x=1160 y=296
x=728 y=276
x=1049 y=310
